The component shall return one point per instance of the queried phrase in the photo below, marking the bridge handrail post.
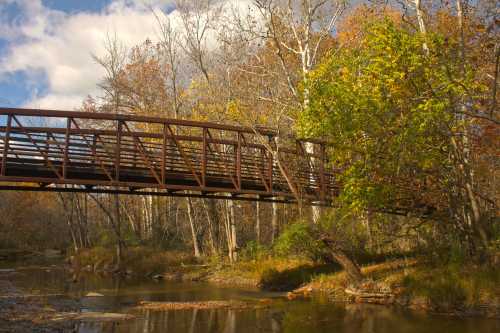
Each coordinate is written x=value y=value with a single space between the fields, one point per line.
x=238 y=161
x=164 y=155
x=66 y=146
x=6 y=145
x=204 y=158
x=271 y=164
x=94 y=148
x=47 y=144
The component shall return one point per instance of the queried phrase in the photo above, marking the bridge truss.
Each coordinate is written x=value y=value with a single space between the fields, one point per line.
x=65 y=151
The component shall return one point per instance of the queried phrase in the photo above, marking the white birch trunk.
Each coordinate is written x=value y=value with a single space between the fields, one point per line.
x=274 y=222
x=227 y=228
x=190 y=212
x=234 y=241
x=257 y=222
x=421 y=23
x=316 y=210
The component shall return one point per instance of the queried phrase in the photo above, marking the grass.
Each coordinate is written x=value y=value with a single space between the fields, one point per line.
x=140 y=260
x=266 y=271
x=443 y=287
x=388 y=272
x=455 y=286
x=293 y=278
x=269 y=272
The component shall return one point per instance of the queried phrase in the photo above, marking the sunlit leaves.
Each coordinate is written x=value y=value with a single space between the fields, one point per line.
x=387 y=109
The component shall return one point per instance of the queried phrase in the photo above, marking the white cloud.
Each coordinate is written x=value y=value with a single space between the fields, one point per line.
x=60 y=46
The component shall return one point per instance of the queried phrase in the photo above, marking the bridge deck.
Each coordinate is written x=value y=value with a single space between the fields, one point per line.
x=81 y=151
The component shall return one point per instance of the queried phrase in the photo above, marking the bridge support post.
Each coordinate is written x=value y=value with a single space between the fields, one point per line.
x=118 y=150
x=164 y=155
x=66 y=147
x=6 y=145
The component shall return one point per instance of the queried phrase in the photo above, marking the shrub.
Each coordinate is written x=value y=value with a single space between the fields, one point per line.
x=272 y=279
x=253 y=251
x=139 y=259
x=450 y=286
x=300 y=239
x=98 y=255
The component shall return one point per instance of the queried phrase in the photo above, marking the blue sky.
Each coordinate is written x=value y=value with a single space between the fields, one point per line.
x=17 y=88
x=46 y=46
x=72 y=6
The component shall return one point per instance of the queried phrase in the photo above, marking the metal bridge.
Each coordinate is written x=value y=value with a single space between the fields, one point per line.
x=46 y=150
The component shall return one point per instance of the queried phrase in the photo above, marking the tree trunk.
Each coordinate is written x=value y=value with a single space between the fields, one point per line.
x=234 y=241
x=257 y=222
x=231 y=235
x=309 y=147
x=211 y=237
x=114 y=221
x=193 y=228
x=86 y=208
x=119 y=252
x=421 y=23
x=466 y=146
x=340 y=256
x=350 y=267
x=274 y=222
x=227 y=227
x=68 y=212
x=369 y=229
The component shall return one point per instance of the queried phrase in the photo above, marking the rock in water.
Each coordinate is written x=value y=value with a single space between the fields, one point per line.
x=92 y=294
x=49 y=253
x=103 y=316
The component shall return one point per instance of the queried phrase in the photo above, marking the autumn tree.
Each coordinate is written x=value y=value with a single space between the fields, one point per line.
x=388 y=107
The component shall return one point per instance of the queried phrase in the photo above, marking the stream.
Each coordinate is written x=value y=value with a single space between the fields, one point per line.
x=120 y=295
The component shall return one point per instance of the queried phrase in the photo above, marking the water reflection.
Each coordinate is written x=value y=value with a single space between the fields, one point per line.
x=294 y=317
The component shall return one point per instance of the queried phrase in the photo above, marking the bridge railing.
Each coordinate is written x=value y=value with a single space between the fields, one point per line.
x=131 y=153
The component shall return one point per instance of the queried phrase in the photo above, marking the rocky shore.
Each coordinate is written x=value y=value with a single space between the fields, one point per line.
x=21 y=312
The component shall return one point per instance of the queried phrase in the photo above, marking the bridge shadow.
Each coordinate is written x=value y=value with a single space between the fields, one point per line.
x=376 y=265
x=290 y=279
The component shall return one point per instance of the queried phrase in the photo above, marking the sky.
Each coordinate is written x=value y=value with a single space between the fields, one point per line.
x=46 y=46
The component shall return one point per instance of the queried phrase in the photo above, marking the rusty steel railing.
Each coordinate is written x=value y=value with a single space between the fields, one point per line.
x=50 y=150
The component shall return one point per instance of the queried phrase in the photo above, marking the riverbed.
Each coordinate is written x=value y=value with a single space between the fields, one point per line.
x=272 y=312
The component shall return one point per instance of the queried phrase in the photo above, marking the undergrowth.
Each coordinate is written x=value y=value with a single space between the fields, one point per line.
x=143 y=260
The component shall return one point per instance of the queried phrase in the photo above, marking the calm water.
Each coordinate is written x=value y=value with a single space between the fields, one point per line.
x=280 y=316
